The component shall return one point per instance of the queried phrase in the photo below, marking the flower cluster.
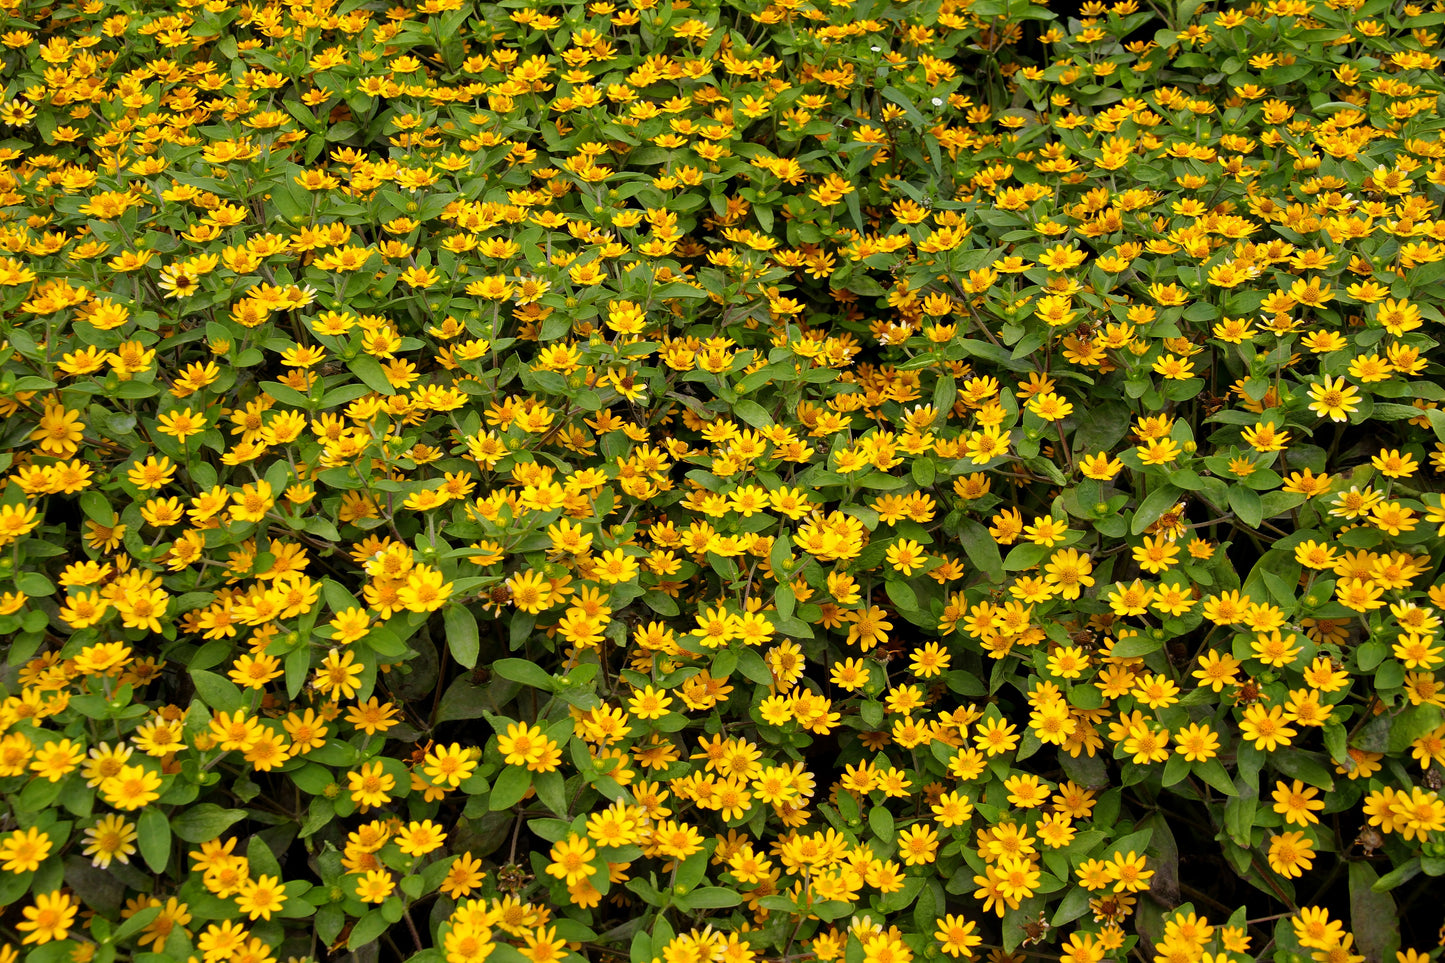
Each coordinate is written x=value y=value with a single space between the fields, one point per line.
x=716 y=480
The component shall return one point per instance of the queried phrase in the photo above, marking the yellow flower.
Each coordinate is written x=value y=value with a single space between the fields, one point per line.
x=103 y=657
x=918 y=845
x=55 y=759
x=1291 y=853
x=449 y=765
x=59 y=431
x=1297 y=802
x=371 y=717
x=1128 y=872
x=112 y=838
x=24 y=850
x=339 y=675
x=350 y=625
x=371 y=785
x=1333 y=398
x=134 y=787
x=572 y=860
x=1268 y=728
x=252 y=502
x=649 y=703
x=1069 y=571
x=464 y=875
x=151 y=474
x=1100 y=466
x=1196 y=742
x=259 y=898
x=418 y=838
x=49 y=919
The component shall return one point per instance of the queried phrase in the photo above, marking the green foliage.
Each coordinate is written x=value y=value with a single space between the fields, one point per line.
x=719 y=480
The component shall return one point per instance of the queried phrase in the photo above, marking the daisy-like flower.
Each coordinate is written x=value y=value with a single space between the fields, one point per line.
x=1268 y=728
x=1291 y=853
x=420 y=837
x=449 y=765
x=49 y=918
x=178 y=281
x=1334 y=398
x=1297 y=803
x=375 y=886
x=339 y=675
x=259 y=898
x=110 y=839
x=572 y=860
x=134 y=787
x=59 y=431
x=1196 y=742
x=24 y=850
x=371 y=785
x=918 y=845
x=54 y=760
x=464 y=875
x=1070 y=572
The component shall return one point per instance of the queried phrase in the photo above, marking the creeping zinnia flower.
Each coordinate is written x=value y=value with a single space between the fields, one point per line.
x=134 y=787
x=110 y=839
x=49 y=919
x=59 y=431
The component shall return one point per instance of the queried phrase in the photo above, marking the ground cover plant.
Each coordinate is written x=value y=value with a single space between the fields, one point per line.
x=721 y=480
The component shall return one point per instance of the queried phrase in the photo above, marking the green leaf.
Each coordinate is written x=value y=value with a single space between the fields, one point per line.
x=1101 y=427
x=1436 y=418
x=691 y=870
x=1135 y=646
x=1373 y=916
x=753 y=414
x=511 y=785
x=661 y=603
x=981 y=549
x=1024 y=557
x=1213 y=772
x=712 y=897
x=1301 y=765
x=901 y=595
x=832 y=909
x=368 y=369
x=781 y=551
x=926 y=906
x=923 y=472
x=97 y=508
x=945 y=394
x=298 y=667
x=641 y=947
x=154 y=832
x=909 y=111
x=551 y=789
x=1159 y=501
x=1239 y=813
x=880 y=820
x=753 y=668
x=219 y=693
x=286 y=395
x=462 y=636
x=367 y=930
x=204 y=822
x=1245 y=504
x=134 y=925
x=1175 y=770
x=1410 y=725
x=527 y=673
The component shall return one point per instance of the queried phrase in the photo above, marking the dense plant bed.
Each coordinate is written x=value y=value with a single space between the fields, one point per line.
x=693 y=481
